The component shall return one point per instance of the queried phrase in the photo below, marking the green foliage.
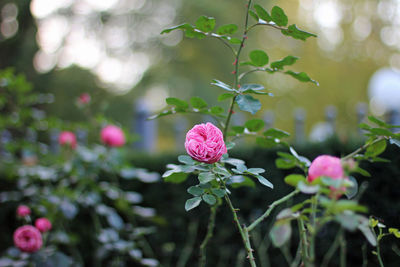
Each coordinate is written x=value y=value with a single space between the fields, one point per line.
x=301 y=76
x=205 y=24
x=254 y=125
x=248 y=103
x=227 y=29
x=296 y=33
x=278 y=16
x=262 y=13
x=287 y=61
x=258 y=58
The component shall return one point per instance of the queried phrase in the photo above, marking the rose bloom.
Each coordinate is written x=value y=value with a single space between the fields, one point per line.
x=28 y=239
x=23 y=211
x=43 y=224
x=113 y=136
x=67 y=138
x=205 y=143
x=84 y=99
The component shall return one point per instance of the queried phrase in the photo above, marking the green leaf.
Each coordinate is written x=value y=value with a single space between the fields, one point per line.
x=235 y=40
x=192 y=203
x=294 y=179
x=209 y=199
x=255 y=170
x=192 y=33
x=369 y=235
x=227 y=29
x=114 y=220
x=276 y=133
x=176 y=178
x=379 y=122
x=195 y=191
x=349 y=221
x=218 y=192
x=264 y=181
x=296 y=33
x=216 y=110
x=225 y=96
x=248 y=103
x=380 y=131
x=301 y=76
x=280 y=233
x=285 y=164
x=255 y=87
x=376 y=148
x=342 y=205
x=238 y=129
x=205 y=177
x=287 y=61
x=239 y=181
x=262 y=13
x=178 y=27
x=362 y=172
x=198 y=102
x=258 y=58
x=186 y=160
x=205 y=24
x=254 y=125
x=222 y=85
x=278 y=16
x=266 y=142
x=177 y=102
x=254 y=15
x=395 y=232
x=394 y=141
x=307 y=189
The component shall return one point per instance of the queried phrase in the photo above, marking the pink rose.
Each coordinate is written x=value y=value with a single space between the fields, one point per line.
x=43 y=224
x=28 y=239
x=113 y=136
x=23 y=211
x=67 y=138
x=84 y=99
x=325 y=165
x=205 y=143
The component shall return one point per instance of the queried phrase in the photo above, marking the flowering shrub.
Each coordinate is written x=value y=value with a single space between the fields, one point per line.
x=28 y=239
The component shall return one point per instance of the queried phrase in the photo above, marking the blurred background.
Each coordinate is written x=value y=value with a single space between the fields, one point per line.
x=114 y=51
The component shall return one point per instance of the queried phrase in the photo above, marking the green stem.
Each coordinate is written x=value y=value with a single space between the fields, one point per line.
x=244 y=233
x=378 y=254
x=271 y=207
x=297 y=258
x=365 y=146
x=329 y=254
x=364 y=254
x=313 y=230
x=210 y=229
x=303 y=240
x=343 y=250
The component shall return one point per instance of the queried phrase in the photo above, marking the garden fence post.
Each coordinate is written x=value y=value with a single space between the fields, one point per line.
x=180 y=128
x=330 y=117
x=146 y=129
x=299 y=129
x=82 y=136
x=54 y=146
x=362 y=110
x=269 y=119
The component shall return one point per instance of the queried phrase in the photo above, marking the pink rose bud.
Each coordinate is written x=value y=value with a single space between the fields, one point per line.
x=67 y=138
x=23 y=211
x=84 y=99
x=28 y=239
x=325 y=165
x=113 y=136
x=205 y=143
x=43 y=225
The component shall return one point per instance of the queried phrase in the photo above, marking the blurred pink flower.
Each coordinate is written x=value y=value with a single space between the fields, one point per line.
x=205 y=143
x=113 y=136
x=23 y=211
x=67 y=138
x=325 y=165
x=84 y=99
x=43 y=225
x=28 y=239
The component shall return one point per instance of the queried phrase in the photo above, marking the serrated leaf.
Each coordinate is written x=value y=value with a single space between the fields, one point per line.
x=198 y=102
x=227 y=29
x=177 y=102
x=262 y=13
x=225 y=96
x=192 y=203
x=216 y=110
x=195 y=190
x=276 y=133
x=254 y=125
x=205 y=177
x=258 y=58
x=248 y=103
x=235 y=40
x=218 y=192
x=186 y=160
x=376 y=148
x=296 y=33
x=301 y=76
x=178 y=27
x=222 y=85
x=278 y=16
x=294 y=179
x=253 y=15
x=280 y=233
x=264 y=181
x=287 y=61
x=209 y=199
x=205 y=24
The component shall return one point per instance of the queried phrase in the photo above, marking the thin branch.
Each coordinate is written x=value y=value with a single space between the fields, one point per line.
x=268 y=24
x=329 y=254
x=365 y=146
x=210 y=229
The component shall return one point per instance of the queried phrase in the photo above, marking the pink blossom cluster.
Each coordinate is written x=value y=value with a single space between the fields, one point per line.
x=205 y=143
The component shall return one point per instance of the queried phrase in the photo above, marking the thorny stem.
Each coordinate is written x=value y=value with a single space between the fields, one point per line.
x=210 y=229
x=365 y=146
x=236 y=79
x=271 y=207
x=303 y=240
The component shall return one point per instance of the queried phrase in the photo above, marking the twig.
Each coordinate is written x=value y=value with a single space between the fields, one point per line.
x=210 y=229
x=365 y=146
